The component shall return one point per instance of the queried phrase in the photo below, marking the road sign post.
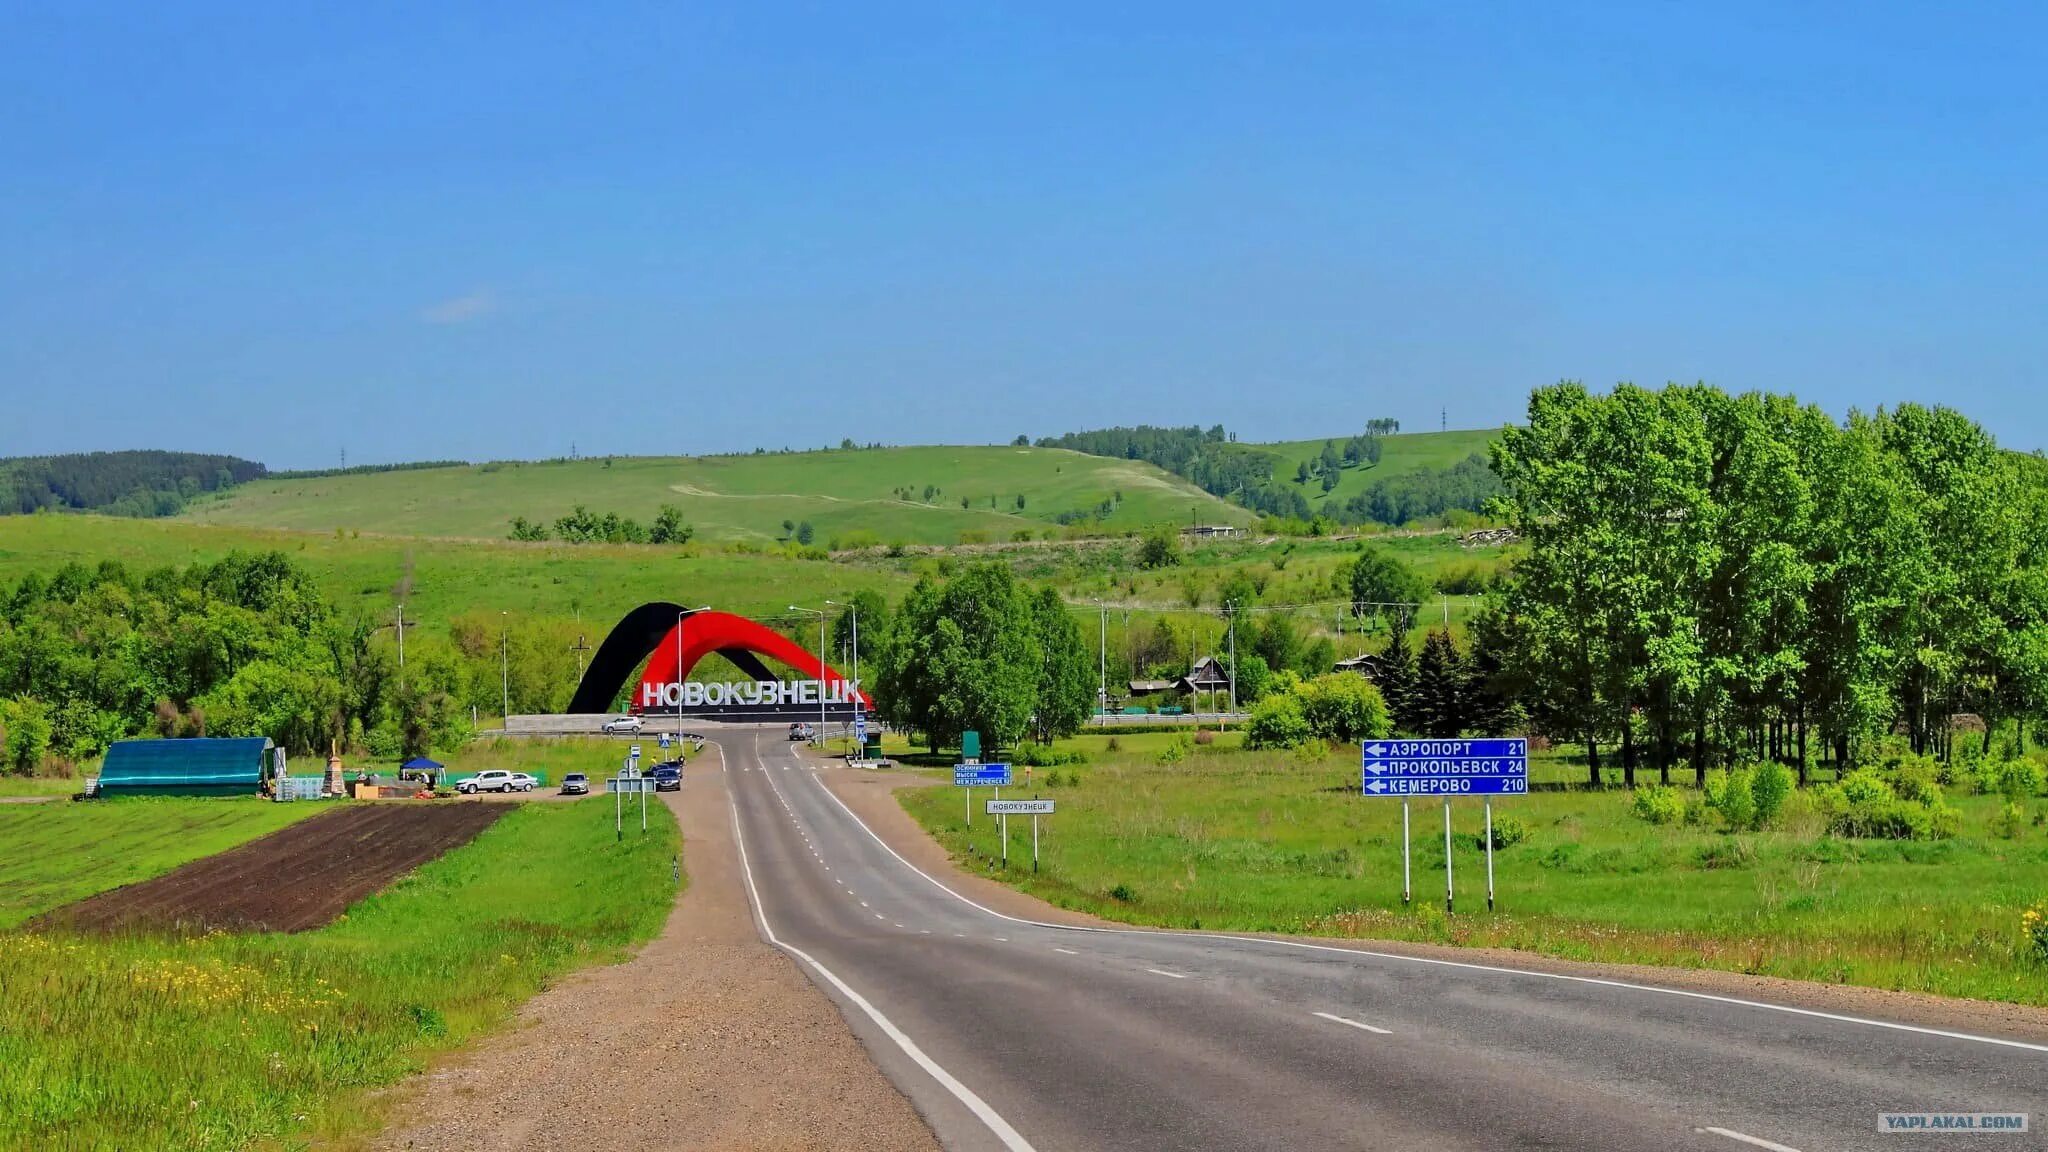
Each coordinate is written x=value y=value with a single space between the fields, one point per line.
x=1003 y=809
x=1406 y=892
x=969 y=774
x=1447 y=768
x=1489 y=855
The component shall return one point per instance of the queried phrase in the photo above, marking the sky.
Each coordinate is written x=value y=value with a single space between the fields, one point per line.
x=500 y=230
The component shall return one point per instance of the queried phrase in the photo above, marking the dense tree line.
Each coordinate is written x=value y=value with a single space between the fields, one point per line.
x=582 y=526
x=138 y=483
x=367 y=469
x=1719 y=578
x=981 y=652
x=1208 y=458
x=1424 y=493
x=246 y=646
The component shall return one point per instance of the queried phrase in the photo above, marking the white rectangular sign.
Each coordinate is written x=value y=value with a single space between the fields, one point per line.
x=1020 y=807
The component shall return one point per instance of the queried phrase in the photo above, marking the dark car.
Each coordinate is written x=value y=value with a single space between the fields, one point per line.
x=575 y=784
x=667 y=777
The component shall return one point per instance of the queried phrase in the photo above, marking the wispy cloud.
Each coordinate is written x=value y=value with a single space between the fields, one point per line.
x=461 y=309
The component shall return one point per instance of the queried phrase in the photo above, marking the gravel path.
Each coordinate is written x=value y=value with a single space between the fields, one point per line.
x=708 y=1039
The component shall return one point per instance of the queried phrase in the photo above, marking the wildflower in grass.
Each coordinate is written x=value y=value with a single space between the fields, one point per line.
x=2034 y=926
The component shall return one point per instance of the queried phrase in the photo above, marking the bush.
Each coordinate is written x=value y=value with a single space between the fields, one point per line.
x=1176 y=750
x=1507 y=832
x=2010 y=819
x=1205 y=737
x=1862 y=789
x=1769 y=787
x=1344 y=708
x=1738 y=800
x=1047 y=756
x=2034 y=927
x=2018 y=780
x=1658 y=804
x=1277 y=722
x=1866 y=807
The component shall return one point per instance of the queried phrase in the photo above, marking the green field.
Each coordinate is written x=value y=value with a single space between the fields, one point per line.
x=595 y=582
x=1263 y=842
x=850 y=496
x=60 y=851
x=1408 y=452
x=223 y=1041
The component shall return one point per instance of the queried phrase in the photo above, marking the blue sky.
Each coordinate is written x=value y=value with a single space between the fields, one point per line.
x=487 y=231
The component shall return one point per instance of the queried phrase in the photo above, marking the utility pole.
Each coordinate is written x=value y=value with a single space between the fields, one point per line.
x=1233 y=658
x=821 y=614
x=505 y=667
x=579 y=648
x=1102 y=661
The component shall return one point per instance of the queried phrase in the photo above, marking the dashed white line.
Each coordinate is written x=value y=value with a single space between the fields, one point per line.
x=1068 y=951
x=1754 y=1141
x=1363 y=1027
x=1165 y=973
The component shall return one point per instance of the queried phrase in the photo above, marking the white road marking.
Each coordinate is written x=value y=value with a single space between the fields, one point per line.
x=1011 y=1139
x=1001 y=939
x=1068 y=951
x=863 y=903
x=1756 y=1141
x=1170 y=975
x=1356 y=1024
x=1466 y=965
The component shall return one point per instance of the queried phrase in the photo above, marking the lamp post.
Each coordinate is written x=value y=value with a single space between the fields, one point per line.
x=1102 y=662
x=505 y=669
x=854 y=611
x=821 y=614
x=681 y=613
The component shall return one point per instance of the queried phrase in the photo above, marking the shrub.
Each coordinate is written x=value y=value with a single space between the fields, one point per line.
x=1507 y=832
x=1862 y=789
x=1176 y=750
x=1205 y=737
x=1738 y=800
x=1769 y=786
x=1658 y=804
x=1715 y=786
x=2034 y=927
x=2010 y=819
x=1123 y=894
x=1343 y=708
x=2018 y=780
x=1277 y=722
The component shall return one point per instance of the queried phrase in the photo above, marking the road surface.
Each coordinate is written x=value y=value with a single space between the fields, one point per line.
x=1008 y=1034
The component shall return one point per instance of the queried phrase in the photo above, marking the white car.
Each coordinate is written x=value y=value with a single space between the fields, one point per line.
x=623 y=726
x=495 y=780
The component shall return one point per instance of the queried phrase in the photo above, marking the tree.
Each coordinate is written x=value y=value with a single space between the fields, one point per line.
x=1160 y=548
x=1395 y=675
x=1022 y=441
x=1276 y=642
x=805 y=533
x=1251 y=677
x=25 y=731
x=669 y=527
x=1383 y=588
x=1301 y=472
x=524 y=529
x=1438 y=701
x=788 y=529
x=1277 y=722
x=1342 y=708
x=1066 y=678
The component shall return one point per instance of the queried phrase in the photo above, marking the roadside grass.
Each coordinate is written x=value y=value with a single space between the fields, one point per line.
x=39 y=785
x=226 y=1041
x=54 y=853
x=1263 y=842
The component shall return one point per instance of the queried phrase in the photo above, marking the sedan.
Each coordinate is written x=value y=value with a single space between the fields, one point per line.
x=575 y=784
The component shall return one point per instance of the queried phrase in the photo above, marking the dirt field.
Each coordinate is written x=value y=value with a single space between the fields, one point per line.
x=289 y=881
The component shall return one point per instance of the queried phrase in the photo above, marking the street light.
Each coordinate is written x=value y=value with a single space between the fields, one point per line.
x=854 y=610
x=680 y=613
x=821 y=614
x=505 y=669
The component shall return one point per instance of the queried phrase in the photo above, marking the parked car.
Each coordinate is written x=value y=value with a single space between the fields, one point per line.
x=495 y=780
x=799 y=731
x=623 y=726
x=667 y=778
x=575 y=784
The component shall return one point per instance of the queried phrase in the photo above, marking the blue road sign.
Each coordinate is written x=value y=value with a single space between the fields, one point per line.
x=860 y=728
x=981 y=775
x=1488 y=767
x=662 y=739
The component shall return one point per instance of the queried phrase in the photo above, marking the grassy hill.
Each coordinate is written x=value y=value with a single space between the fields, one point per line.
x=596 y=582
x=1408 y=452
x=877 y=493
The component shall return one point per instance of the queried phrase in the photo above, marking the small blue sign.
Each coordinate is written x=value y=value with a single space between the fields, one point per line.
x=662 y=739
x=860 y=728
x=981 y=775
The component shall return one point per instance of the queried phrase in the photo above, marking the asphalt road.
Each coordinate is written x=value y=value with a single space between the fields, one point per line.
x=1008 y=1034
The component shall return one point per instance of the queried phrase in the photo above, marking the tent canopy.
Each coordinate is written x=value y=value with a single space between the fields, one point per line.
x=420 y=764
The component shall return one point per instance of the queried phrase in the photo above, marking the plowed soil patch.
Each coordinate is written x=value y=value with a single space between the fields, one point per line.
x=291 y=880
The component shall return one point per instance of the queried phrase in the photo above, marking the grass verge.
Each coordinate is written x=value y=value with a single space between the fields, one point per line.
x=1263 y=842
x=222 y=1041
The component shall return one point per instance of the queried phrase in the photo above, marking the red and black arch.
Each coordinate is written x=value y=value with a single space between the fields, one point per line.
x=649 y=633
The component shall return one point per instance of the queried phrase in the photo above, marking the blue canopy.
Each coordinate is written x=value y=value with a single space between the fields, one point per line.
x=420 y=764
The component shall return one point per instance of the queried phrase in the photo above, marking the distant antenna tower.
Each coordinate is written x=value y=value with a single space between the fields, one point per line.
x=344 y=459
x=572 y=450
x=1443 y=423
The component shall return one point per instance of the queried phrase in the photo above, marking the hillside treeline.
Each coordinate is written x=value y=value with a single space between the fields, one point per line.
x=1206 y=458
x=1716 y=578
x=247 y=647
x=135 y=483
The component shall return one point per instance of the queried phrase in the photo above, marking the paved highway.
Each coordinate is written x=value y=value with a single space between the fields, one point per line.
x=1008 y=1034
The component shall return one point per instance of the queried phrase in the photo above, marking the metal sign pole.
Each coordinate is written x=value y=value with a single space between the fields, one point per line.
x=618 y=814
x=1003 y=821
x=1447 y=857
x=970 y=806
x=1406 y=892
x=1034 y=841
x=1489 y=855
x=643 y=809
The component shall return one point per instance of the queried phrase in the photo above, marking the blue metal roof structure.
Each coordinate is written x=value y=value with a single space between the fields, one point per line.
x=201 y=766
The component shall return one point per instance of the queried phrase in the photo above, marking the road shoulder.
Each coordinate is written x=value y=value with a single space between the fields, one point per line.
x=871 y=794
x=707 y=1039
